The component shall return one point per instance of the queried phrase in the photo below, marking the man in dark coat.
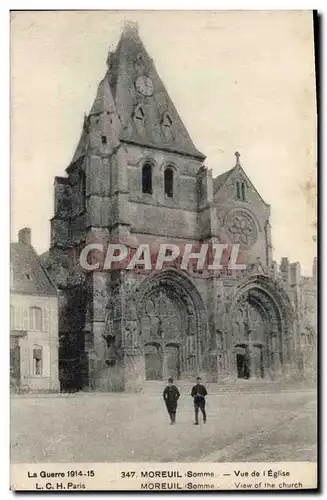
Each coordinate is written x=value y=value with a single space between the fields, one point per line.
x=198 y=394
x=171 y=396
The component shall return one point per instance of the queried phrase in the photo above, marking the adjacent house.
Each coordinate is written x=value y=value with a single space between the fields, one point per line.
x=33 y=320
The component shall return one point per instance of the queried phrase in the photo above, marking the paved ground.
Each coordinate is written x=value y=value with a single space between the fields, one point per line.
x=265 y=426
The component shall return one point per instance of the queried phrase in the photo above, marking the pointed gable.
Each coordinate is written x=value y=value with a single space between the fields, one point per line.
x=135 y=83
x=239 y=180
x=134 y=92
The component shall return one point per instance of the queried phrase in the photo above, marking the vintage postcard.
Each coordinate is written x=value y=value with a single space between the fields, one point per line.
x=163 y=266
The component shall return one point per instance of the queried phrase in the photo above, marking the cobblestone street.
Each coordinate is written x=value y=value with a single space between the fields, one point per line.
x=128 y=427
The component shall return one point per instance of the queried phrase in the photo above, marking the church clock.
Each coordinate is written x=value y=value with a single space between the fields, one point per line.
x=144 y=85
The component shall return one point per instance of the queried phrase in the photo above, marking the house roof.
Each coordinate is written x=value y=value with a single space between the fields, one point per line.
x=27 y=273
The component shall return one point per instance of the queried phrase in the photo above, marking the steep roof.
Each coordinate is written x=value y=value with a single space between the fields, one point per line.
x=28 y=274
x=117 y=93
x=81 y=147
x=219 y=181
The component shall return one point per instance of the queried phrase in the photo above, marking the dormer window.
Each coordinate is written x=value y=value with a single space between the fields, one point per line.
x=147 y=178
x=139 y=113
x=166 y=120
x=169 y=182
x=166 y=127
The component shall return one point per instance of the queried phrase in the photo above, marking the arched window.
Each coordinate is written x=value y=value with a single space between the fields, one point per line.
x=243 y=191
x=35 y=319
x=238 y=191
x=147 y=178
x=169 y=182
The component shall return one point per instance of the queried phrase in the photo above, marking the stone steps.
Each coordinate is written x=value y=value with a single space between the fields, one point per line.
x=251 y=385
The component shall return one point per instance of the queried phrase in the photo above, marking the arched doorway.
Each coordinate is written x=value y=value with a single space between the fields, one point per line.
x=153 y=362
x=260 y=322
x=173 y=325
x=242 y=361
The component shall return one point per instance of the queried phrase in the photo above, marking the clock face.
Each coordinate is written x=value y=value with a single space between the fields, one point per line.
x=144 y=85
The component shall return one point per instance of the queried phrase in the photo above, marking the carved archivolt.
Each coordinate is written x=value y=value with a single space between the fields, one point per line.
x=169 y=309
x=259 y=308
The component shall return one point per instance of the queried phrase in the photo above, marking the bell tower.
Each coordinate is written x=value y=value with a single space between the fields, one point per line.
x=133 y=178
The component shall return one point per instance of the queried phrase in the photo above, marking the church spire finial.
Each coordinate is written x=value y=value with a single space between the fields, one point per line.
x=237 y=154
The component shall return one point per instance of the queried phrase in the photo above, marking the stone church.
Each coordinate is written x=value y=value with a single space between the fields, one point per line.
x=136 y=177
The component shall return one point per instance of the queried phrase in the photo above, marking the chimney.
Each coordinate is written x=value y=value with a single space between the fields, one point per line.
x=24 y=236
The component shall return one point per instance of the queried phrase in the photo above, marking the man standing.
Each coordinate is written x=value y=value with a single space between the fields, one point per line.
x=171 y=396
x=199 y=393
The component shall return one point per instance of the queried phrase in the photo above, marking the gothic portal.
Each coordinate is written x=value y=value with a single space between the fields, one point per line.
x=172 y=325
x=261 y=326
x=136 y=177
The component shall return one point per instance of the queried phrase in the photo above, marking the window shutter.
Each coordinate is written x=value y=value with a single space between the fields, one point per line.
x=31 y=318
x=18 y=319
x=25 y=322
x=38 y=319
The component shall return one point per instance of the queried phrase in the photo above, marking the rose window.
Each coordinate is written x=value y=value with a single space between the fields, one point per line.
x=241 y=229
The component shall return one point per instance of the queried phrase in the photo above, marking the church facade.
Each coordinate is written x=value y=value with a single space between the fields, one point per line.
x=136 y=177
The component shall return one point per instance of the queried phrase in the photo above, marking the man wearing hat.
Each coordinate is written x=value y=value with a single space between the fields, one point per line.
x=199 y=393
x=171 y=396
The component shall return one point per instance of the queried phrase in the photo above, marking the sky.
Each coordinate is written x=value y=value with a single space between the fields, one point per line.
x=240 y=80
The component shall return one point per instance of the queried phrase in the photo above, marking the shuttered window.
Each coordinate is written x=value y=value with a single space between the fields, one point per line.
x=35 y=319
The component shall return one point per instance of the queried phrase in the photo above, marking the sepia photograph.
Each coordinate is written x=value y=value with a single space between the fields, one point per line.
x=163 y=254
